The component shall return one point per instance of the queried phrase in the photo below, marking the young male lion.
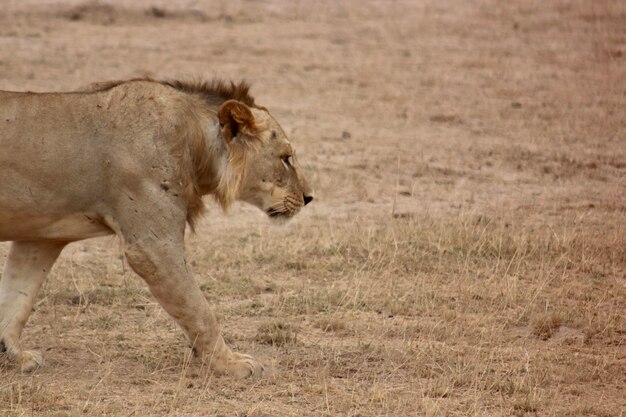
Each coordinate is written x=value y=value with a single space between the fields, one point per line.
x=134 y=158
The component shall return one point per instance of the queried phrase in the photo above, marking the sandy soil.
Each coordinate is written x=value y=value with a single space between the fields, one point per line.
x=466 y=252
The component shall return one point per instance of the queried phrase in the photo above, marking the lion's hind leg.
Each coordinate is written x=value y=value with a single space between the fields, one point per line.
x=26 y=268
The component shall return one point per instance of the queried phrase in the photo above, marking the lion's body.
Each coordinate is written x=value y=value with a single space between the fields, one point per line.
x=69 y=161
x=38 y=195
x=131 y=158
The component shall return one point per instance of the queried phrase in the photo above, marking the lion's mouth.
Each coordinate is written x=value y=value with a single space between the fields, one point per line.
x=274 y=213
x=284 y=209
x=281 y=213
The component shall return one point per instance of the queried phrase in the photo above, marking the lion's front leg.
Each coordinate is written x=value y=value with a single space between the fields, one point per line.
x=26 y=268
x=161 y=263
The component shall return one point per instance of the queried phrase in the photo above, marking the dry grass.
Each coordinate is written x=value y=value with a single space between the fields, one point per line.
x=466 y=254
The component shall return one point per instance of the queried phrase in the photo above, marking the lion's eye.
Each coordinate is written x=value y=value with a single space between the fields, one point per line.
x=288 y=161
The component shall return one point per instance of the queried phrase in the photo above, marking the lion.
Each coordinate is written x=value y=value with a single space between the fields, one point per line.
x=134 y=158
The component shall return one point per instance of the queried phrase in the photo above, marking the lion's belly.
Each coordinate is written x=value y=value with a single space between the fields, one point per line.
x=66 y=227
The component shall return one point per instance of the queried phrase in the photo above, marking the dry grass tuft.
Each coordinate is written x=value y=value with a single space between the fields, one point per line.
x=276 y=333
x=546 y=325
x=331 y=324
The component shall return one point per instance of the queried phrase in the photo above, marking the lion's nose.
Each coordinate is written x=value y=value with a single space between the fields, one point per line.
x=307 y=199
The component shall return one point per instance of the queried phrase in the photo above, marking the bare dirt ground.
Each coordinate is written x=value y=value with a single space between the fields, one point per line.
x=465 y=255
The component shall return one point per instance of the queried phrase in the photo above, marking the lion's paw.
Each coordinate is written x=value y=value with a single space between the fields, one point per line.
x=31 y=360
x=238 y=365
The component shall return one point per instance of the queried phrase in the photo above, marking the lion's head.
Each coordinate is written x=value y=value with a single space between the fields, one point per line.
x=270 y=175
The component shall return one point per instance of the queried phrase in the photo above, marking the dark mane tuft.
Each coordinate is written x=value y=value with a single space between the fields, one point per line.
x=217 y=91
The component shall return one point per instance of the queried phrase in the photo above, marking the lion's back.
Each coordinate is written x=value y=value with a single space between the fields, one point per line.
x=74 y=149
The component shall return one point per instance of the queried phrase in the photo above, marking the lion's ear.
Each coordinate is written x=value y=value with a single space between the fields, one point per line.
x=235 y=117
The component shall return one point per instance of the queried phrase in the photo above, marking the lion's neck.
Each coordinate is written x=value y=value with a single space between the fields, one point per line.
x=216 y=160
x=211 y=171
